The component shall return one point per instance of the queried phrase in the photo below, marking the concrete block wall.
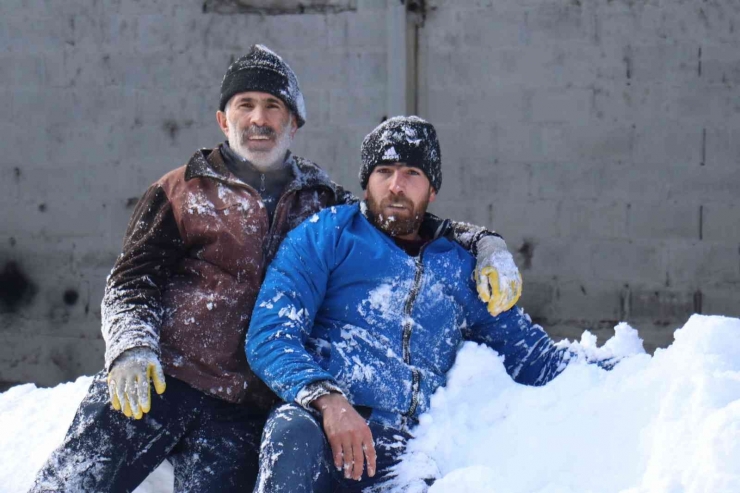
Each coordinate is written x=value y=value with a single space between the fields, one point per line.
x=601 y=138
x=98 y=100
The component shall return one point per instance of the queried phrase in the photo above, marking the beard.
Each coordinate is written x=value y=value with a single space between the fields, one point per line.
x=402 y=223
x=262 y=160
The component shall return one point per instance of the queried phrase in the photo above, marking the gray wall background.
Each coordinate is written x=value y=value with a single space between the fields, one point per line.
x=600 y=137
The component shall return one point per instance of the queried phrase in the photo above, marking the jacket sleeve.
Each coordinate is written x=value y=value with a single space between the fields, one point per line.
x=286 y=307
x=467 y=235
x=132 y=304
x=530 y=355
x=344 y=196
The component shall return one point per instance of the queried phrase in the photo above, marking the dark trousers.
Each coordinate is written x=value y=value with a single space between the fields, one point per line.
x=212 y=444
x=295 y=455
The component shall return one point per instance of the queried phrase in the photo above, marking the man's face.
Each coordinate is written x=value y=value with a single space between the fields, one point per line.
x=397 y=197
x=259 y=126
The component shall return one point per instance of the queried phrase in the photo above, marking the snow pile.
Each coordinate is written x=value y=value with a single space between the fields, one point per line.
x=668 y=423
x=33 y=422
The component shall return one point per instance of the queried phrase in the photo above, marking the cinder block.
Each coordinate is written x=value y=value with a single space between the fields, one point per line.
x=330 y=71
x=537 y=298
x=364 y=31
x=708 y=104
x=662 y=306
x=155 y=106
x=138 y=7
x=587 y=302
x=317 y=108
x=627 y=261
x=663 y=220
x=492 y=182
x=593 y=219
x=721 y=302
x=444 y=33
x=366 y=70
x=85 y=24
x=502 y=104
x=545 y=256
x=719 y=65
x=493 y=27
x=550 y=22
x=661 y=142
x=521 y=143
x=484 y=68
x=618 y=24
x=467 y=143
x=295 y=32
x=712 y=23
x=17 y=70
x=702 y=265
x=702 y=183
x=588 y=143
x=118 y=31
x=161 y=32
x=102 y=68
x=535 y=219
x=363 y=5
x=10 y=178
x=48 y=360
x=567 y=180
x=350 y=107
x=31 y=32
x=721 y=221
x=313 y=143
x=666 y=63
x=445 y=105
x=722 y=147
x=6 y=106
x=618 y=103
x=20 y=147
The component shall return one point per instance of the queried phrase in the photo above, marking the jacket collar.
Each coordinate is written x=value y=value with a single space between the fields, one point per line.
x=209 y=163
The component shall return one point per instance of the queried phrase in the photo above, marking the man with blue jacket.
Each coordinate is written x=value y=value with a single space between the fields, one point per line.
x=360 y=317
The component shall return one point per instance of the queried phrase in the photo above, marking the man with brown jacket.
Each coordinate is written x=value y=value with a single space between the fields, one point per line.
x=180 y=297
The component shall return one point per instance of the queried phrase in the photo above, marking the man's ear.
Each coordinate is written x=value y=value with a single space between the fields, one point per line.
x=364 y=194
x=223 y=122
x=432 y=195
x=293 y=125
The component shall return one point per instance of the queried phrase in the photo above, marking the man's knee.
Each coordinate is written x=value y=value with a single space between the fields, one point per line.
x=294 y=455
x=294 y=428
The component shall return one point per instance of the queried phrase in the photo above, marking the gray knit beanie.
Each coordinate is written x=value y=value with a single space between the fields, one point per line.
x=403 y=139
x=263 y=70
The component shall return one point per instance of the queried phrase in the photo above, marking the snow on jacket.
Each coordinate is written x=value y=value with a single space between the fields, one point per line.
x=342 y=303
x=193 y=260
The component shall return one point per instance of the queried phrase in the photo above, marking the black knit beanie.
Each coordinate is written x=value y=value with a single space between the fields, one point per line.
x=403 y=139
x=263 y=70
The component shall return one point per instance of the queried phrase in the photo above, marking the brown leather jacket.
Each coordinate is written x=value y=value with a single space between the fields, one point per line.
x=193 y=261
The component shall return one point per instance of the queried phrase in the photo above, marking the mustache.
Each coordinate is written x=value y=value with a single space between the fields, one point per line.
x=397 y=200
x=256 y=130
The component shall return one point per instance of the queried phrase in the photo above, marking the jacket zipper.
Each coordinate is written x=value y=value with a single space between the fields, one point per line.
x=407 y=329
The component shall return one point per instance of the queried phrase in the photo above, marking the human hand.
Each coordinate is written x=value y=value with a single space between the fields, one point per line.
x=128 y=381
x=497 y=276
x=349 y=435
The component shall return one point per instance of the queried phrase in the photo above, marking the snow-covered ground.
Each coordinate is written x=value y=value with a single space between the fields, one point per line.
x=669 y=423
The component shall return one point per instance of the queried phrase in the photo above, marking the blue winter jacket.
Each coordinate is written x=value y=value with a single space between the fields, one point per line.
x=342 y=302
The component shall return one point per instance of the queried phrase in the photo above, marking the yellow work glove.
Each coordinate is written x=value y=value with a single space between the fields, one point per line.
x=128 y=381
x=496 y=275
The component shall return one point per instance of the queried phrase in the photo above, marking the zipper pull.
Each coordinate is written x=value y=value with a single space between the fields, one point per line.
x=262 y=183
